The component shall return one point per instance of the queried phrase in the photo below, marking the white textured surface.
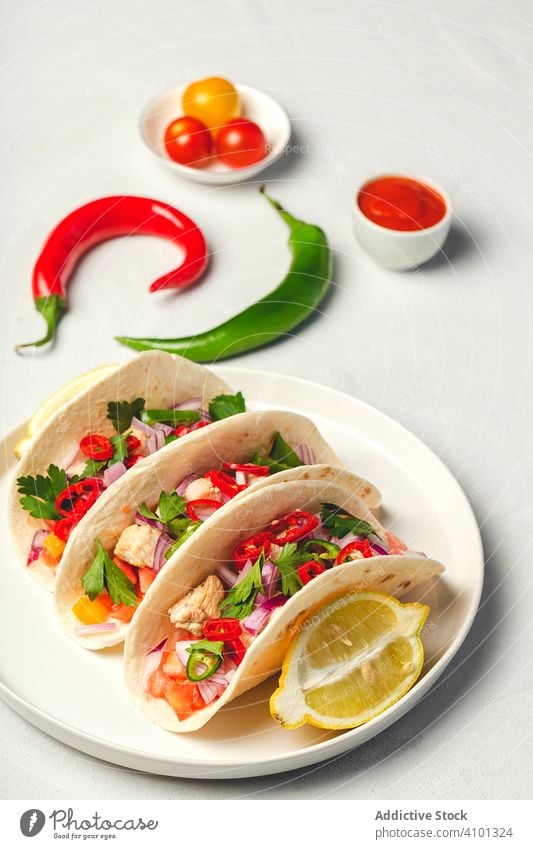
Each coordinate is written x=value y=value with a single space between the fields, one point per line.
x=441 y=88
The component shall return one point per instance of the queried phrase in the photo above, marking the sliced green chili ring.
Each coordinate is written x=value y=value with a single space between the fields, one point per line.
x=330 y=549
x=211 y=662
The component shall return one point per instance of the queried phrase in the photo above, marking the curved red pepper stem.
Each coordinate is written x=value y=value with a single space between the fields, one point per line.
x=107 y=218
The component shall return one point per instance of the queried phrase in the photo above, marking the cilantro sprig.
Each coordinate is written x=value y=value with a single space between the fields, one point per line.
x=224 y=406
x=340 y=522
x=122 y=412
x=240 y=600
x=104 y=574
x=287 y=563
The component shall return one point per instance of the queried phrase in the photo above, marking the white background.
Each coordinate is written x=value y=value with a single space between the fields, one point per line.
x=431 y=87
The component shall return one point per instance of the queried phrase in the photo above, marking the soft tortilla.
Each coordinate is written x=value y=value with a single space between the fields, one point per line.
x=161 y=379
x=232 y=440
x=199 y=557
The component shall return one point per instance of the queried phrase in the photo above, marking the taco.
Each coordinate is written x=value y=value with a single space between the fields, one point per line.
x=219 y=619
x=92 y=441
x=135 y=530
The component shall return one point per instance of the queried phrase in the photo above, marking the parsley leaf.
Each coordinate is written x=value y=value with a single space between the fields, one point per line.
x=92 y=468
x=287 y=563
x=280 y=457
x=224 y=406
x=171 y=417
x=240 y=600
x=215 y=647
x=340 y=522
x=40 y=492
x=120 y=450
x=145 y=511
x=104 y=573
x=122 y=412
x=171 y=505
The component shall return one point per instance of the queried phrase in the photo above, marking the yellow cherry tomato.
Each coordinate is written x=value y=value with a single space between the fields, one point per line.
x=214 y=101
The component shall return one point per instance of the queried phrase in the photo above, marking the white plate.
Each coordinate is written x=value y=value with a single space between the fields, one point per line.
x=256 y=105
x=80 y=698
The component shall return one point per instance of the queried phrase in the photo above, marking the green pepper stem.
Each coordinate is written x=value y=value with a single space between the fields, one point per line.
x=51 y=308
x=287 y=217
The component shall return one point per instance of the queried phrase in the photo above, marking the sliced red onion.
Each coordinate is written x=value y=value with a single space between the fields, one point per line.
x=228 y=665
x=185 y=483
x=113 y=473
x=305 y=453
x=69 y=458
x=241 y=478
x=159 y=647
x=159 y=438
x=204 y=513
x=189 y=404
x=150 y=446
x=256 y=621
x=375 y=540
x=219 y=678
x=269 y=576
x=144 y=520
x=208 y=691
x=181 y=651
x=36 y=548
x=410 y=553
x=378 y=549
x=144 y=428
x=259 y=599
x=226 y=575
x=163 y=544
x=163 y=428
x=151 y=663
x=244 y=571
x=98 y=628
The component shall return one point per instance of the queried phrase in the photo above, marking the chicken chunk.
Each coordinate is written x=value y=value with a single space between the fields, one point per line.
x=137 y=544
x=198 y=606
x=201 y=488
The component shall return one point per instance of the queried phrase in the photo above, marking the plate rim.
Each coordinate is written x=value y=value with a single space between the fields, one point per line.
x=316 y=752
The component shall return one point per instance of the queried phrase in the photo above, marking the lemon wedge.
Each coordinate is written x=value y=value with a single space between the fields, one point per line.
x=55 y=401
x=351 y=660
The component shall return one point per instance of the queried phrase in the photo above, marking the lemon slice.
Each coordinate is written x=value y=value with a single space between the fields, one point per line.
x=55 y=401
x=351 y=660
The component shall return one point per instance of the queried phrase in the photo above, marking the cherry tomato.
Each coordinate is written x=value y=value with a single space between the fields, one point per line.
x=188 y=142
x=240 y=143
x=214 y=101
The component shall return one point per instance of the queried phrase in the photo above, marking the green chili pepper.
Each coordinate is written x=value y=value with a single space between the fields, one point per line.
x=207 y=653
x=287 y=306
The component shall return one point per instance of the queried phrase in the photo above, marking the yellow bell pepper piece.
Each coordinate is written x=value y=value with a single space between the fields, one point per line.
x=90 y=612
x=54 y=546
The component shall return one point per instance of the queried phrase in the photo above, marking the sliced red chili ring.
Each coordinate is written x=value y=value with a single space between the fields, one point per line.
x=132 y=443
x=224 y=482
x=292 y=526
x=222 y=629
x=248 y=468
x=198 y=503
x=77 y=498
x=308 y=571
x=63 y=528
x=198 y=425
x=130 y=461
x=182 y=430
x=251 y=548
x=362 y=546
x=237 y=650
x=97 y=447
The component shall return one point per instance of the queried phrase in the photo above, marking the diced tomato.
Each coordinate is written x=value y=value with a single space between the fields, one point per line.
x=180 y=696
x=130 y=461
x=132 y=443
x=156 y=683
x=105 y=599
x=129 y=571
x=123 y=612
x=173 y=667
x=146 y=577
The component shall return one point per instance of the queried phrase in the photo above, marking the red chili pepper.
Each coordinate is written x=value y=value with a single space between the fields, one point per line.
x=107 y=218
x=292 y=527
x=222 y=629
x=63 y=528
x=248 y=468
x=132 y=443
x=363 y=546
x=182 y=430
x=76 y=499
x=308 y=571
x=130 y=461
x=192 y=506
x=224 y=482
x=96 y=447
x=251 y=548
x=237 y=650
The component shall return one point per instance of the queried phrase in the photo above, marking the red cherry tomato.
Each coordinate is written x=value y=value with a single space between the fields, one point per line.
x=240 y=143
x=188 y=142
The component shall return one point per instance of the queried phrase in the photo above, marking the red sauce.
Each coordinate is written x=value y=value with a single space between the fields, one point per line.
x=400 y=203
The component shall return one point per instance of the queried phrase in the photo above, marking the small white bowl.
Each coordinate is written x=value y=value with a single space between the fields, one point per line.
x=400 y=250
x=256 y=105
